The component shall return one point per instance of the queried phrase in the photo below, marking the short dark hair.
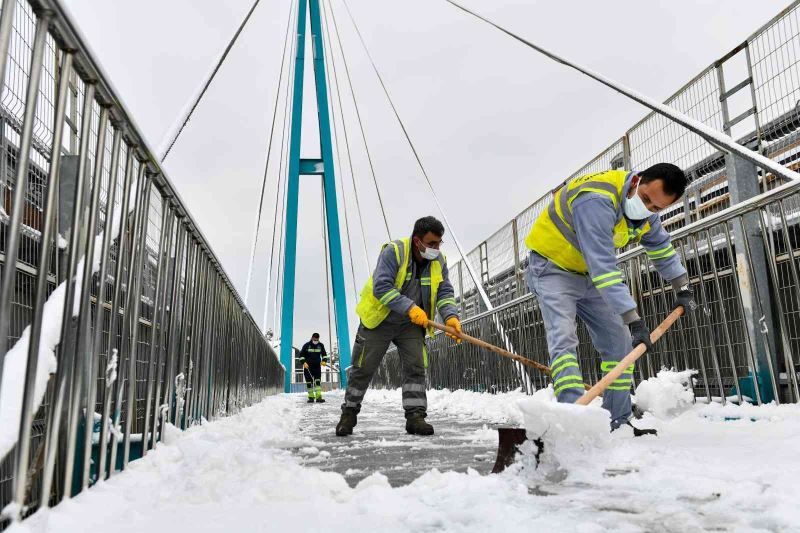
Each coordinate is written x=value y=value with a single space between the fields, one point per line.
x=673 y=178
x=427 y=224
x=315 y=335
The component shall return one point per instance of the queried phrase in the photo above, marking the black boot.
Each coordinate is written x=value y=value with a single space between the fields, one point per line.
x=641 y=432
x=310 y=400
x=416 y=425
x=346 y=423
x=320 y=400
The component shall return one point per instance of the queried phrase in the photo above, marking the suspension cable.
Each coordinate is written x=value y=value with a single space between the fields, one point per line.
x=360 y=123
x=332 y=72
x=327 y=260
x=526 y=381
x=695 y=126
x=475 y=279
x=282 y=179
x=175 y=131
x=266 y=162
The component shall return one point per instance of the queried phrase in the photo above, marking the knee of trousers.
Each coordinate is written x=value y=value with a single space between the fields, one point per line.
x=615 y=343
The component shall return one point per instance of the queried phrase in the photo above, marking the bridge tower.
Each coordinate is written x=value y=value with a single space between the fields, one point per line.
x=318 y=167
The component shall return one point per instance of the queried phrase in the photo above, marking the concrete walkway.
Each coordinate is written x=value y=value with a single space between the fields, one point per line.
x=379 y=442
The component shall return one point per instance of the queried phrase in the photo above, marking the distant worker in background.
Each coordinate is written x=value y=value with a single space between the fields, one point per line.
x=410 y=283
x=314 y=357
x=572 y=270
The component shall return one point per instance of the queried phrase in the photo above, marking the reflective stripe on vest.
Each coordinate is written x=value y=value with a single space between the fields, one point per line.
x=373 y=311
x=552 y=235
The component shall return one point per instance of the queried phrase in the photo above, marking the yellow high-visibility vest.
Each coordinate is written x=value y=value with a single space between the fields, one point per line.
x=372 y=311
x=552 y=235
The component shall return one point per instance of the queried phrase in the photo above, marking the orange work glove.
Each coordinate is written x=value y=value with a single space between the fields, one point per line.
x=305 y=365
x=454 y=323
x=418 y=316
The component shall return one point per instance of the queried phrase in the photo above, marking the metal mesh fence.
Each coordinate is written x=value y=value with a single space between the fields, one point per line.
x=771 y=91
x=736 y=356
x=157 y=301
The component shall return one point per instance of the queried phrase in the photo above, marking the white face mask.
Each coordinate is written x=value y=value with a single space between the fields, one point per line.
x=429 y=253
x=314 y=342
x=635 y=208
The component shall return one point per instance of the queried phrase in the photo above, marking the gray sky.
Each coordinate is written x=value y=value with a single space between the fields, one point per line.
x=496 y=124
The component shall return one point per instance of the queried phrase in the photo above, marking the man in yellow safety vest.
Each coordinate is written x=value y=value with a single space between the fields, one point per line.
x=572 y=270
x=410 y=283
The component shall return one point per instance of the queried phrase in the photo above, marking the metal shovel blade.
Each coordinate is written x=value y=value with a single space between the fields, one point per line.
x=509 y=441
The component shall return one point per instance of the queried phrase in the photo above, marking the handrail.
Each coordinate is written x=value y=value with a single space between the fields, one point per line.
x=64 y=29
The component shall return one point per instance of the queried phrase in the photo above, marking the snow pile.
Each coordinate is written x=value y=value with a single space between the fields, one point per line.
x=498 y=408
x=668 y=394
x=15 y=368
x=704 y=472
x=568 y=431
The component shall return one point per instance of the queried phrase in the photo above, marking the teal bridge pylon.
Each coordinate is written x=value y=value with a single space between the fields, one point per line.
x=323 y=167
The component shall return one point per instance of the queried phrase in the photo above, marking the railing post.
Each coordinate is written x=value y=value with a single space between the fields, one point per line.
x=743 y=184
x=519 y=280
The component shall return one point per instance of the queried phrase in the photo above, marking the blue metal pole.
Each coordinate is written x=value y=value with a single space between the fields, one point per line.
x=332 y=210
x=293 y=186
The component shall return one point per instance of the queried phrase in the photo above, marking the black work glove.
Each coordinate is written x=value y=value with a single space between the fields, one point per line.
x=685 y=298
x=640 y=334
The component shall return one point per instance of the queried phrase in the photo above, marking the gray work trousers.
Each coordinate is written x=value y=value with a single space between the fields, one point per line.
x=368 y=350
x=561 y=296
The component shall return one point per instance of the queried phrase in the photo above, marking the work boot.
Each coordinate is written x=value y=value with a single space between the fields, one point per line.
x=310 y=400
x=641 y=432
x=320 y=400
x=416 y=425
x=346 y=423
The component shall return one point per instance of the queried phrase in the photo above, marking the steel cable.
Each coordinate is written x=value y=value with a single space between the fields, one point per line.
x=332 y=72
x=269 y=153
x=289 y=97
x=207 y=83
x=360 y=124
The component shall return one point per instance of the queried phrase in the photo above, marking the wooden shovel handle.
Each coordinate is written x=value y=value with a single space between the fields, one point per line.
x=629 y=359
x=492 y=348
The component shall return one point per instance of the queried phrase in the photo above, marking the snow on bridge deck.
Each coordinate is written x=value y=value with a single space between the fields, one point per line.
x=277 y=467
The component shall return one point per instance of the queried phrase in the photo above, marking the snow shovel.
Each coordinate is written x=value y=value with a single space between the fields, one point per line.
x=510 y=439
x=492 y=348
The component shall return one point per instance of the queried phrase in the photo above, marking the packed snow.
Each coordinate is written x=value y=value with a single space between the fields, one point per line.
x=566 y=430
x=15 y=367
x=666 y=395
x=711 y=467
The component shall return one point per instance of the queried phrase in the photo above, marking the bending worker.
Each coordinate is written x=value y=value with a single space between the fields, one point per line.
x=572 y=270
x=314 y=357
x=410 y=283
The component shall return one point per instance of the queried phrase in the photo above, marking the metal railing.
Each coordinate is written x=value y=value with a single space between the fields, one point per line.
x=751 y=93
x=721 y=255
x=329 y=380
x=742 y=260
x=153 y=331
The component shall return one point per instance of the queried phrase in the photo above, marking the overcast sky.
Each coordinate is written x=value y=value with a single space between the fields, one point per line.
x=495 y=124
